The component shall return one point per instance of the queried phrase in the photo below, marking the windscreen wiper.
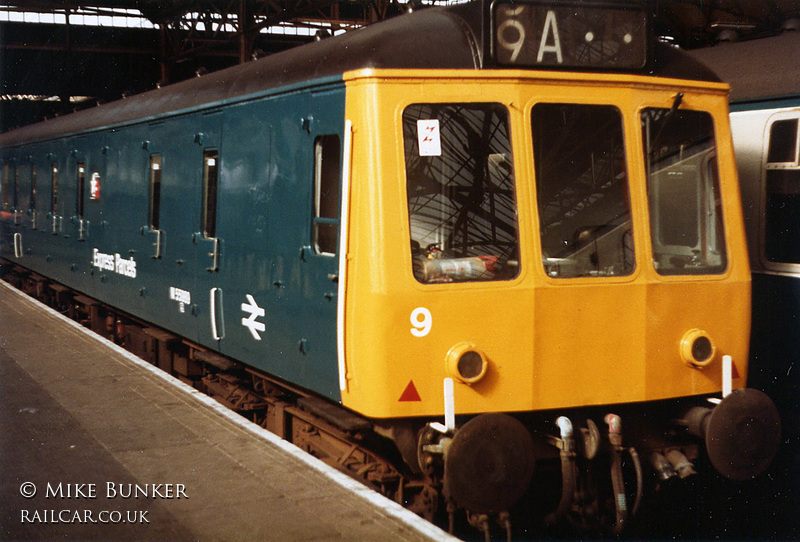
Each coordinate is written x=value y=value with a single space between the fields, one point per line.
x=676 y=103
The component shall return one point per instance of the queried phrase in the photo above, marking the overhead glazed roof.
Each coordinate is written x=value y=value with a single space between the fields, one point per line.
x=434 y=38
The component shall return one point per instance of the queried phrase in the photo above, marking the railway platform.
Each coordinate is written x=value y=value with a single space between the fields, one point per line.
x=96 y=444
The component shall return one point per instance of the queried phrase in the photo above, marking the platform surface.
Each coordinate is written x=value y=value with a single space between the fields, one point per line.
x=82 y=423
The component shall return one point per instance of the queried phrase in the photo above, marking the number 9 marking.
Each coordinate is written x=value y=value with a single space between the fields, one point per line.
x=422 y=320
x=514 y=46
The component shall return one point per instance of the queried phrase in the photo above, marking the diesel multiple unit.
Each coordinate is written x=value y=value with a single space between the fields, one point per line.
x=503 y=233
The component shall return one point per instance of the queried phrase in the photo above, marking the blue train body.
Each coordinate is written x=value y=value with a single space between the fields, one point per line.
x=256 y=267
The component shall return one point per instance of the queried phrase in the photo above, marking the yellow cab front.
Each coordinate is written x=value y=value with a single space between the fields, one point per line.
x=545 y=239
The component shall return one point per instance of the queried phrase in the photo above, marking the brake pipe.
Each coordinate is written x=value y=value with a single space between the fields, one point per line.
x=617 y=481
x=566 y=445
x=637 y=466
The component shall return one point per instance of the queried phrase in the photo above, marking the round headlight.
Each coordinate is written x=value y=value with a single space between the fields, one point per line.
x=697 y=348
x=466 y=363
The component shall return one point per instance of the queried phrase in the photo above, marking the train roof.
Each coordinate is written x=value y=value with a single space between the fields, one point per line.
x=433 y=38
x=757 y=70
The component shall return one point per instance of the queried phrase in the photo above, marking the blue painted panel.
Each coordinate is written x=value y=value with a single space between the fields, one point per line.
x=264 y=226
x=265 y=206
x=119 y=234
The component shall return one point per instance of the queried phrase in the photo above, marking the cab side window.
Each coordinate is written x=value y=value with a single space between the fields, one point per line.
x=685 y=202
x=327 y=174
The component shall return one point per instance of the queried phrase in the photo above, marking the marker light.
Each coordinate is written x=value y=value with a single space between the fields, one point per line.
x=466 y=363
x=697 y=348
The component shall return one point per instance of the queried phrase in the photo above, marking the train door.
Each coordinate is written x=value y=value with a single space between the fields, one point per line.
x=22 y=222
x=114 y=203
x=12 y=241
x=95 y=230
x=29 y=239
x=316 y=325
x=207 y=239
x=33 y=222
x=165 y=177
x=279 y=223
x=7 y=211
x=78 y=214
x=586 y=238
x=159 y=265
x=317 y=343
x=775 y=338
x=58 y=217
x=88 y=224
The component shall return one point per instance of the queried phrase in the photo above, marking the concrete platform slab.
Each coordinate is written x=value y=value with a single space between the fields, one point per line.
x=78 y=413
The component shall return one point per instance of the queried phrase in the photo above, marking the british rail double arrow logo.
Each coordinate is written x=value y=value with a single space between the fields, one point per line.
x=255 y=312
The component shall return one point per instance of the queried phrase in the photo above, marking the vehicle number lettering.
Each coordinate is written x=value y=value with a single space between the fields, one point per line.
x=183 y=297
x=422 y=320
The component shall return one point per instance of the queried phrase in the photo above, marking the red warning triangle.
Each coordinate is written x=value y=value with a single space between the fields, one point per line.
x=734 y=370
x=410 y=393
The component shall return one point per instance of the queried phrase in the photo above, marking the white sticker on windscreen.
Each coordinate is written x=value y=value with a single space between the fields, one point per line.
x=430 y=144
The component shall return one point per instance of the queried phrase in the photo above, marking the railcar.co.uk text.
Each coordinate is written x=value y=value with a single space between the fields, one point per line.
x=91 y=491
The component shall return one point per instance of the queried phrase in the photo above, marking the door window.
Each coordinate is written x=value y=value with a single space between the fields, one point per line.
x=327 y=174
x=210 y=175
x=81 y=180
x=155 y=192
